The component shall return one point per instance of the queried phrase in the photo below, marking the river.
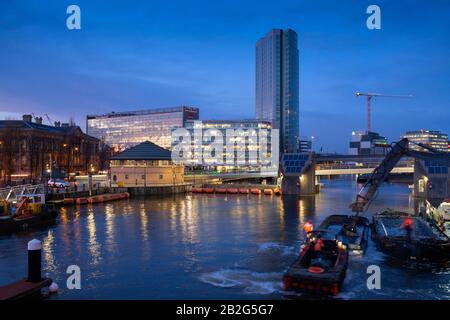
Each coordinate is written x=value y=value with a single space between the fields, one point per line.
x=207 y=247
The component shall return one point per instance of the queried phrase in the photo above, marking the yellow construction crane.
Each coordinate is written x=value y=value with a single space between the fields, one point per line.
x=376 y=95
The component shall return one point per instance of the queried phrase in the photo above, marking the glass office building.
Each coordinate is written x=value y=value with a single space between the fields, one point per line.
x=435 y=139
x=246 y=136
x=277 y=85
x=122 y=130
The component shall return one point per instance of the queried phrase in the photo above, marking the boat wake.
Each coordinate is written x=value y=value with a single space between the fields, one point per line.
x=272 y=247
x=250 y=282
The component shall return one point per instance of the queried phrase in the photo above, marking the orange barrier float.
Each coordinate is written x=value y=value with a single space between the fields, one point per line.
x=208 y=190
x=243 y=191
x=232 y=190
x=220 y=190
x=69 y=200
x=277 y=191
x=255 y=191
x=197 y=190
x=268 y=192
x=82 y=201
x=98 y=198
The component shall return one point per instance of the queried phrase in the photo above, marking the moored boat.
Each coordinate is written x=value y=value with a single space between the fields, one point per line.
x=30 y=213
x=423 y=242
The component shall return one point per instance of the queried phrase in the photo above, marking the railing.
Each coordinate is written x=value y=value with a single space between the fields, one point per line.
x=16 y=193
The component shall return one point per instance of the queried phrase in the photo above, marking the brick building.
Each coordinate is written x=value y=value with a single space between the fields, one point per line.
x=30 y=151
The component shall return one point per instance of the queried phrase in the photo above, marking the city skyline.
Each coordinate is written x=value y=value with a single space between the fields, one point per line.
x=154 y=55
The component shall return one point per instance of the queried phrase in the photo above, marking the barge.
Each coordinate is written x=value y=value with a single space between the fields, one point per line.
x=424 y=242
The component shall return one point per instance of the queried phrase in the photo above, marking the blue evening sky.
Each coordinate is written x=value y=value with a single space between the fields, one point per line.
x=139 y=54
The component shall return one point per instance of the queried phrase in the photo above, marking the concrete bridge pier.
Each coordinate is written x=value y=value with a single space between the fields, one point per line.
x=298 y=182
x=431 y=181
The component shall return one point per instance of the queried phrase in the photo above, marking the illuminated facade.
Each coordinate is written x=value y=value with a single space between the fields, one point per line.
x=435 y=139
x=122 y=130
x=31 y=152
x=244 y=140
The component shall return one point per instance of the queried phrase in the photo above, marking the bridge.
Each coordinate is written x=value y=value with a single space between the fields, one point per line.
x=357 y=171
x=325 y=165
x=370 y=158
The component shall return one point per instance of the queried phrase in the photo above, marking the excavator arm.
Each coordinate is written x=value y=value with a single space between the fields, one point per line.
x=379 y=175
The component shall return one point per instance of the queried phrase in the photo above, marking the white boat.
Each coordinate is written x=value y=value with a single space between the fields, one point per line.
x=444 y=209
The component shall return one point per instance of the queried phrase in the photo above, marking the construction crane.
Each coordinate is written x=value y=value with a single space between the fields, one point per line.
x=48 y=118
x=369 y=100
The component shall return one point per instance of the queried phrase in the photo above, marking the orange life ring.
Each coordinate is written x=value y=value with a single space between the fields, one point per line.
x=316 y=270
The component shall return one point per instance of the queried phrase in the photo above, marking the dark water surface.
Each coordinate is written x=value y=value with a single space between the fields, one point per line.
x=207 y=247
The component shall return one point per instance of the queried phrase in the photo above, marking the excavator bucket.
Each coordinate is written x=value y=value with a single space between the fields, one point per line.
x=359 y=204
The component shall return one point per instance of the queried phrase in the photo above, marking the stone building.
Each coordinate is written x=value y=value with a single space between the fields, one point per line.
x=31 y=152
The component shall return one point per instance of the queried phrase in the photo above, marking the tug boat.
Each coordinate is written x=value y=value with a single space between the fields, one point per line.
x=351 y=230
x=318 y=272
x=30 y=213
x=425 y=243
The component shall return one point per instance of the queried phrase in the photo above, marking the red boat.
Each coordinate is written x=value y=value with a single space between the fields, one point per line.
x=318 y=272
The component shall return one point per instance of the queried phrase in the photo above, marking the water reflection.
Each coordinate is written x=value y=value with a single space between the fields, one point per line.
x=93 y=245
x=48 y=255
x=110 y=229
x=206 y=246
x=144 y=232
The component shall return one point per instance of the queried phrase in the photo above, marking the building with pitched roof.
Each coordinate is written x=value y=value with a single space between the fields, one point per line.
x=145 y=165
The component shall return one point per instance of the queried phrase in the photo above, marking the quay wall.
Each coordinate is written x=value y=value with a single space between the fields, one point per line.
x=154 y=190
